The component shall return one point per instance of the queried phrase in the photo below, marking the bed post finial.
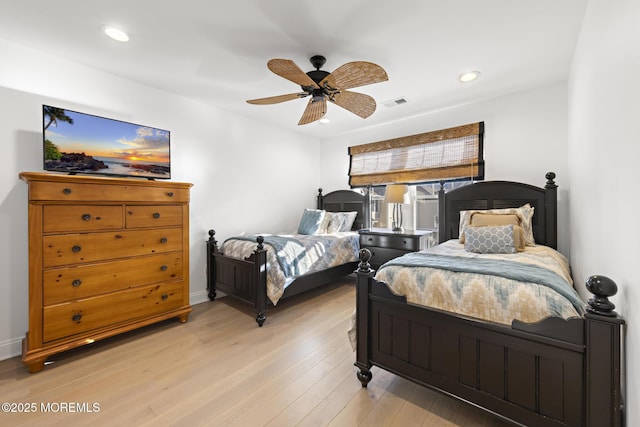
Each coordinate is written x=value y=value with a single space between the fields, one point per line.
x=260 y=241
x=365 y=256
x=212 y=233
x=601 y=287
x=550 y=180
x=603 y=340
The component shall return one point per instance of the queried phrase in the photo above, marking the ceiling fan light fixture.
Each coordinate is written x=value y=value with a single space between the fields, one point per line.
x=469 y=76
x=324 y=121
x=115 y=33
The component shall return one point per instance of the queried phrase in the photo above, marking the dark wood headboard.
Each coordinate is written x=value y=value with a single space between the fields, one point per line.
x=346 y=201
x=502 y=194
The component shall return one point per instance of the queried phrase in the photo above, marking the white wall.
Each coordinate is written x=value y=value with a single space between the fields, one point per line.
x=604 y=153
x=240 y=168
x=525 y=137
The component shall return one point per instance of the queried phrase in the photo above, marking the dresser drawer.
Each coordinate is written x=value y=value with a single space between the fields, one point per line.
x=72 y=283
x=406 y=243
x=58 y=250
x=64 y=218
x=153 y=216
x=72 y=318
x=39 y=190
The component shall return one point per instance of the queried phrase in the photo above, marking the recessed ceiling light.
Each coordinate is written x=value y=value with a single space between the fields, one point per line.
x=469 y=76
x=324 y=121
x=115 y=33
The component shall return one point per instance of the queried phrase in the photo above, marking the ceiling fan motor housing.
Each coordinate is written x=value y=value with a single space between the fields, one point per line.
x=317 y=75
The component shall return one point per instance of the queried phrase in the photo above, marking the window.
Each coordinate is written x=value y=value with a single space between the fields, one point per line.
x=420 y=214
x=443 y=155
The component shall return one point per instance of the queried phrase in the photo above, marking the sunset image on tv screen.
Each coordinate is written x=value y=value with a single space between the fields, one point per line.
x=82 y=143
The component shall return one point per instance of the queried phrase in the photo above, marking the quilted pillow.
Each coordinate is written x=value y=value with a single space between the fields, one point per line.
x=524 y=214
x=340 y=221
x=497 y=239
x=349 y=219
x=311 y=221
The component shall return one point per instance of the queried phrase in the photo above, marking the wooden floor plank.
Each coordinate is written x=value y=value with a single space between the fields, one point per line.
x=220 y=369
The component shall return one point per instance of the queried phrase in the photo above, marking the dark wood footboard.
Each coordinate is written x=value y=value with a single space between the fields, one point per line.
x=553 y=373
x=246 y=279
x=243 y=278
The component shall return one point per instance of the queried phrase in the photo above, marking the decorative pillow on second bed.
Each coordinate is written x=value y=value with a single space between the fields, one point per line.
x=498 y=239
x=524 y=215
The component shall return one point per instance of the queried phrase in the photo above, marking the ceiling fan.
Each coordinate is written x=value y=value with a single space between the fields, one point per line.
x=322 y=86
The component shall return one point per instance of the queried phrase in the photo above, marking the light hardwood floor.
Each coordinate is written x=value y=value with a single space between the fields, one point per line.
x=220 y=369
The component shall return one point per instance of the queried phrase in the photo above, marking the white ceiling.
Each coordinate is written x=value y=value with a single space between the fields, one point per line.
x=216 y=51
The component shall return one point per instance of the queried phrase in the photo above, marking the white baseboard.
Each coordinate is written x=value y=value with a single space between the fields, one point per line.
x=198 y=297
x=10 y=348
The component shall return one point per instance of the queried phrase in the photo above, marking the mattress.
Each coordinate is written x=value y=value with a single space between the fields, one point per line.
x=294 y=255
x=528 y=286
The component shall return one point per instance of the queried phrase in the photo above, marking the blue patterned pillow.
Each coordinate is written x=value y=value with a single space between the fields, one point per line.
x=490 y=239
x=311 y=221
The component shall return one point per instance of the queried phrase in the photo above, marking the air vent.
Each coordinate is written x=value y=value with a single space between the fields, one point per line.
x=394 y=102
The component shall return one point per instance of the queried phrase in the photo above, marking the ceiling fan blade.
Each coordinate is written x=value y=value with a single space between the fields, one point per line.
x=277 y=99
x=354 y=74
x=289 y=70
x=315 y=110
x=358 y=103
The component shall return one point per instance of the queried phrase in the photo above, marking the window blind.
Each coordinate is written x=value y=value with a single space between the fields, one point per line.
x=442 y=155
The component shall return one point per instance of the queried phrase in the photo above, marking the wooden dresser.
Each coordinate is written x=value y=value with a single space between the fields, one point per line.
x=106 y=256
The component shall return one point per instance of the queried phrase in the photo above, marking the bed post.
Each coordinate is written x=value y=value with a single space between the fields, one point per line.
x=604 y=404
x=551 y=209
x=442 y=212
x=260 y=276
x=319 y=203
x=364 y=275
x=212 y=246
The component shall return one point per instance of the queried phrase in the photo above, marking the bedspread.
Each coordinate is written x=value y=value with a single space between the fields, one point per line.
x=528 y=286
x=290 y=256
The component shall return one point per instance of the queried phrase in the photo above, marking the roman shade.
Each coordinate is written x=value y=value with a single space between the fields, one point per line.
x=442 y=155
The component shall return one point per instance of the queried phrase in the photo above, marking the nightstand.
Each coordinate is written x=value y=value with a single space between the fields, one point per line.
x=385 y=244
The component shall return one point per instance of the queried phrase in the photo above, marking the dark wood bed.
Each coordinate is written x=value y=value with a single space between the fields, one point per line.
x=246 y=279
x=552 y=373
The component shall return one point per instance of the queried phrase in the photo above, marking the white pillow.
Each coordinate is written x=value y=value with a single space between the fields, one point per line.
x=340 y=221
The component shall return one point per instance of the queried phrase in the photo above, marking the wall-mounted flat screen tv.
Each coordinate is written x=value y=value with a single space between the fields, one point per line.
x=76 y=142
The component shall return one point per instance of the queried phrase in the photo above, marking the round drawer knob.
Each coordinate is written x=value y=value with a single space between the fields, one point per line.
x=76 y=248
x=170 y=194
x=164 y=297
x=163 y=240
x=156 y=215
x=76 y=317
x=164 y=268
x=76 y=283
x=67 y=191
x=86 y=217
x=404 y=242
x=371 y=239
